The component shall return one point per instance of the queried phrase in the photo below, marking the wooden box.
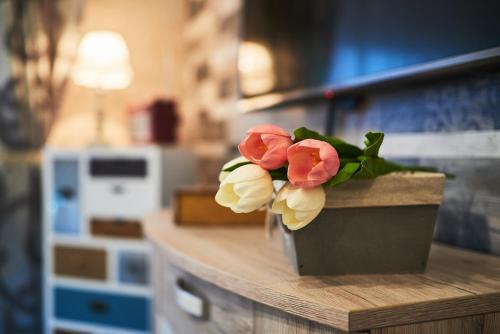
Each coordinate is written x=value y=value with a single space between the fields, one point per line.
x=197 y=206
x=80 y=262
x=382 y=225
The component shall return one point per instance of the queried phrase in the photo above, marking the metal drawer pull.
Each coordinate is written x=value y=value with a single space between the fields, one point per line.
x=188 y=302
x=99 y=307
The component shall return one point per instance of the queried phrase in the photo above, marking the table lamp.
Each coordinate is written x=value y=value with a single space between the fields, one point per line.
x=102 y=64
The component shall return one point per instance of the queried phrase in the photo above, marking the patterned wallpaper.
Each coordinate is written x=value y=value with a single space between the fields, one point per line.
x=459 y=104
x=467 y=108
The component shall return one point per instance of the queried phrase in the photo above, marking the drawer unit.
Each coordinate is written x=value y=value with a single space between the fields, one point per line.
x=195 y=306
x=128 y=312
x=185 y=304
x=97 y=270
x=80 y=262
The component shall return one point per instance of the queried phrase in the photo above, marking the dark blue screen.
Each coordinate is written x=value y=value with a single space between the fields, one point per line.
x=329 y=42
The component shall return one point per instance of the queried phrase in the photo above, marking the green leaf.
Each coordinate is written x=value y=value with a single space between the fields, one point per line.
x=373 y=141
x=344 y=150
x=344 y=174
x=235 y=166
x=276 y=174
x=279 y=174
x=345 y=161
x=372 y=167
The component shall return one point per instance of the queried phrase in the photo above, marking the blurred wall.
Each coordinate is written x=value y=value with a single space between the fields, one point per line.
x=151 y=29
x=452 y=124
x=32 y=35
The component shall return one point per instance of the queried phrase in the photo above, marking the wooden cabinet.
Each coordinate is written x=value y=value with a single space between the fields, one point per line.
x=96 y=261
x=235 y=280
x=223 y=312
x=476 y=324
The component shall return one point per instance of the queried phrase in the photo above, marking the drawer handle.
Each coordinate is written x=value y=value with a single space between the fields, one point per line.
x=188 y=302
x=118 y=189
x=98 y=307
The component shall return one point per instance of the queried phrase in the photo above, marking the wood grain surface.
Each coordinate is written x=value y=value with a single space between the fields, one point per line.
x=224 y=312
x=271 y=320
x=388 y=190
x=80 y=262
x=476 y=324
x=457 y=283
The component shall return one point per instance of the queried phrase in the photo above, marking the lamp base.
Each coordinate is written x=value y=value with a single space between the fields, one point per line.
x=99 y=140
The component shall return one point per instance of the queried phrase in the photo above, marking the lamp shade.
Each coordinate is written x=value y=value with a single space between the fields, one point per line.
x=102 y=61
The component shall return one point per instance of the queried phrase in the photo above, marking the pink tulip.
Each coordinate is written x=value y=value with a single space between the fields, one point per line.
x=266 y=145
x=312 y=163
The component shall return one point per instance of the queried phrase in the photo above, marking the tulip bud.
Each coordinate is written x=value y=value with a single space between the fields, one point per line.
x=298 y=206
x=245 y=189
x=266 y=146
x=311 y=163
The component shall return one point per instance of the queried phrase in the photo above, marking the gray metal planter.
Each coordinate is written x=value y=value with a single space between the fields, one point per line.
x=383 y=225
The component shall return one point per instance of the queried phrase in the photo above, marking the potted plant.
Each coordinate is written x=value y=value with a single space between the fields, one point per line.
x=343 y=208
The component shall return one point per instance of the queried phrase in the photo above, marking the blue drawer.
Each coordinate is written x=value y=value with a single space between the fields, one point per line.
x=133 y=268
x=129 y=312
x=65 y=197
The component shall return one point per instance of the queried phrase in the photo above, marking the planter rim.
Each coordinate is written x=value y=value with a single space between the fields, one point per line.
x=394 y=189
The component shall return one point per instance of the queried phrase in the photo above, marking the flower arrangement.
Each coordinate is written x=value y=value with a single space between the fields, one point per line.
x=309 y=164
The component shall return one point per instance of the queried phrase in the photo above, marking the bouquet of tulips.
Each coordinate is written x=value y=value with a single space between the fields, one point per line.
x=309 y=164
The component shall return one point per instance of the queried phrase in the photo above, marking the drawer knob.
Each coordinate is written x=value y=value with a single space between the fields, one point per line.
x=118 y=189
x=99 y=307
x=188 y=302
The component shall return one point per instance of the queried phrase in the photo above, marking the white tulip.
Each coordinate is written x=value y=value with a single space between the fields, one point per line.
x=298 y=206
x=245 y=189
x=222 y=174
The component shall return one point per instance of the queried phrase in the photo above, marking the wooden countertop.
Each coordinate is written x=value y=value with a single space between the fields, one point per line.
x=457 y=283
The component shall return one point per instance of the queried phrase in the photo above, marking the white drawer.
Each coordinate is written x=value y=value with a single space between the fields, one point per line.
x=124 y=198
x=122 y=184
